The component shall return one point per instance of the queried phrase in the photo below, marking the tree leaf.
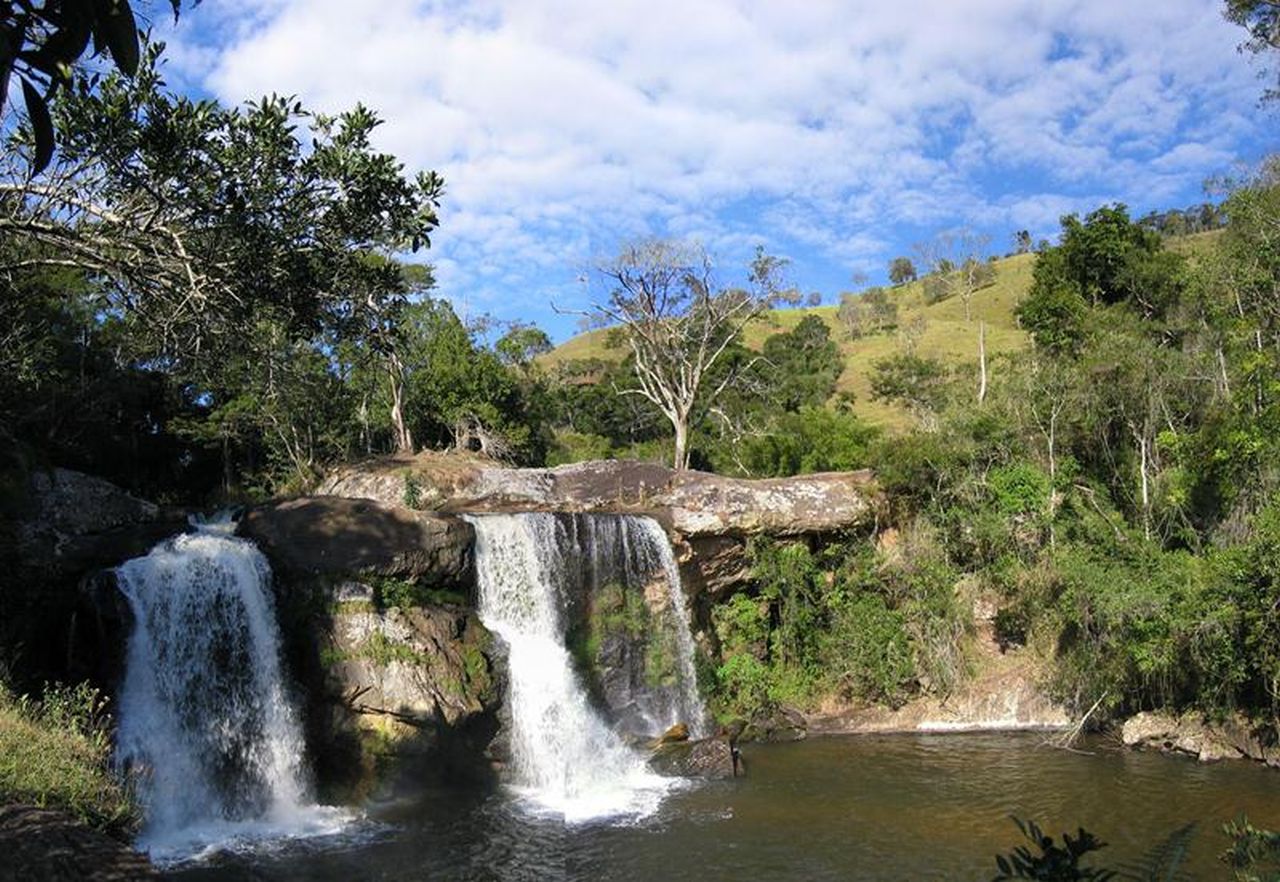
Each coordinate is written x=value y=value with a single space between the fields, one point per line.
x=116 y=27
x=41 y=124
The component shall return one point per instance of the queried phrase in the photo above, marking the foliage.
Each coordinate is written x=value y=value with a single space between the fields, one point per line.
x=872 y=311
x=1254 y=854
x=42 y=43
x=902 y=270
x=1050 y=861
x=839 y=621
x=801 y=365
x=1261 y=18
x=867 y=650
x=1019 y=488
x=199 y=219
x=812 y=440
x=918 y=382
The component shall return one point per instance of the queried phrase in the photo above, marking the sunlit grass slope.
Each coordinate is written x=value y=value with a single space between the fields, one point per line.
x=944 y=333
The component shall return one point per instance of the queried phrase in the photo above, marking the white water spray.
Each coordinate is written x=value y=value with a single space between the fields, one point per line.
x=205 y=725
x=565 y=757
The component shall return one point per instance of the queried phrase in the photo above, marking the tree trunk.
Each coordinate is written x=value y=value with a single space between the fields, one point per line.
x=1146 y=492
x=982 y=359
x=403 y=438
x=681 y=458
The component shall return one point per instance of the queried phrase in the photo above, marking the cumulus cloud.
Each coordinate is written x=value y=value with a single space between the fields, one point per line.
x=834 y=132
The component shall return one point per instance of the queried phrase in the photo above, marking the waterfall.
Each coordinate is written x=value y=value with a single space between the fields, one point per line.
x=206 y=728
x=689 y=708
x=531 y=570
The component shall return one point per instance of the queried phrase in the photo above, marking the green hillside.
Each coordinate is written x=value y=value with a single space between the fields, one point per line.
x=946 y=335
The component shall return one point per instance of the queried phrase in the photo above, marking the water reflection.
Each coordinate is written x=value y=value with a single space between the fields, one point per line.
x=928 y=807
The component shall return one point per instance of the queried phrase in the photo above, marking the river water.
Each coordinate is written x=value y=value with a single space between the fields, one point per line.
x=883 y=807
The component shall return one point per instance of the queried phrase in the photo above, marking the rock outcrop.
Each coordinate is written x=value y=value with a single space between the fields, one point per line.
x=68 y=523
x=43 y=845
x=417 y=666
x=704 y=758
x=326 y=535
x=693 y=504
x=1003 y=695
x=1193 y=735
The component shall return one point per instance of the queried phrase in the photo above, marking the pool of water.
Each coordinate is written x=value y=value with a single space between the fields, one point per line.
x=884 y=807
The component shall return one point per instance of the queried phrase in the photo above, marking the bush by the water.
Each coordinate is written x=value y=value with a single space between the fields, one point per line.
x=56 y=752
x=844 y=620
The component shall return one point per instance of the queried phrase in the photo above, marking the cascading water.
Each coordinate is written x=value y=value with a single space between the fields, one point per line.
x=565 y=756
x=206 y=729
x=690 y=709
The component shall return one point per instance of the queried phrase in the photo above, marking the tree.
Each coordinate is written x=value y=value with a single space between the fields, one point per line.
x=241 y=255
x=521 y=345
x=802 y=365
x=916 y=382
x=42 y=41
x=678 y=323
x=1261 y=18
x=957 y=266
x=195 y=217
x=901 y=271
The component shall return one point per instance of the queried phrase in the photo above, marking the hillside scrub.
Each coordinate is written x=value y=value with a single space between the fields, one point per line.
x=55 y=752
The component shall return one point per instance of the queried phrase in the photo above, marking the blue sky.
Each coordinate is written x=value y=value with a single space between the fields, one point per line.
x=836 y=134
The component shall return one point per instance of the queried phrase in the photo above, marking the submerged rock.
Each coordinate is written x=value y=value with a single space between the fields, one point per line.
x=43 y=845
x=705 y=758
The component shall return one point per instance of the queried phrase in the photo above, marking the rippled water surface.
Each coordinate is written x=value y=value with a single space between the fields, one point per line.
x=894 y=807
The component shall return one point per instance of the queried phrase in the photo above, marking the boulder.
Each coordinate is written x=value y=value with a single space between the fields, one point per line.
x=43 y=845
x=783 y=724
x=421 y=666
x=678 y=732
x=704 y=758
x=392 y=695
x=330 y=535
x=713 y=567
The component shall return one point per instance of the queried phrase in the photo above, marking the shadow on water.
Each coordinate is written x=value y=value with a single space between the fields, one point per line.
x=900 y=807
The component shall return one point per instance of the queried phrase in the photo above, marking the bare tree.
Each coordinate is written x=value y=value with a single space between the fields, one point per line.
x=677 y=322
x=957 y=265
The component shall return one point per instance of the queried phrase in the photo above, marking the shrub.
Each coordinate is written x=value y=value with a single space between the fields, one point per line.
x=56 y=753
x=744 y=687
x=867 y=653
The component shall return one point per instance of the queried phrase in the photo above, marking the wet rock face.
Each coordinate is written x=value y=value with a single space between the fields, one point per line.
x=421 y=666
x=42 y=845
x=327 y=535
x=398 y=688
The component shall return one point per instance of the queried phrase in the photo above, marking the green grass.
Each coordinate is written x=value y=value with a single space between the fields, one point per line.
x=947 y=336
x=57 y=753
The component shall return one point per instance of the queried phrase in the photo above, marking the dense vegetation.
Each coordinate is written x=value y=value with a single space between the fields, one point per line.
x=204 y=303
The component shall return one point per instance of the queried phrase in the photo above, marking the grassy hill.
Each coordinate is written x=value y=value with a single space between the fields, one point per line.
x=946 y=335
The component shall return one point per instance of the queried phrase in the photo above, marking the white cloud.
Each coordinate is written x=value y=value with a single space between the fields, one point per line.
x=832 y=131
